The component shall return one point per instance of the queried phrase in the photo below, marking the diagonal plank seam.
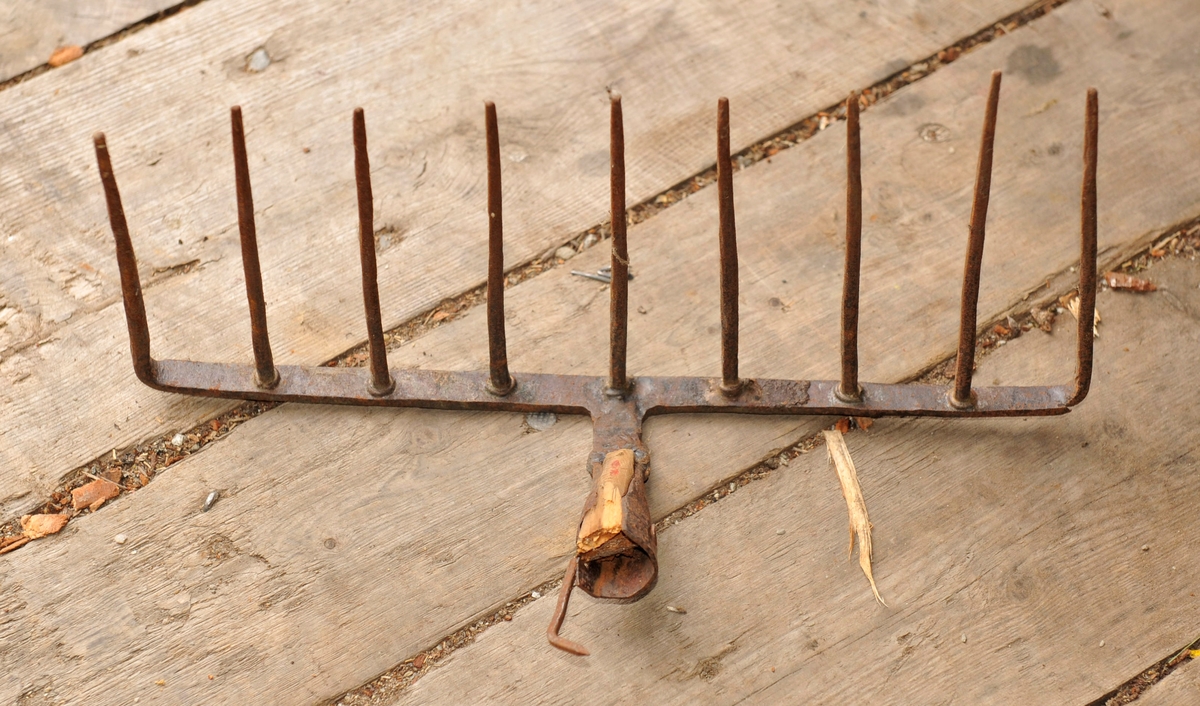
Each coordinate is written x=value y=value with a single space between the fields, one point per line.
x=1129 y=691
x=408 y=671
x=106 y=40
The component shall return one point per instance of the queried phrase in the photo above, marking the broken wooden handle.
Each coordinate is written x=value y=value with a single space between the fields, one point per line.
x=616 y=549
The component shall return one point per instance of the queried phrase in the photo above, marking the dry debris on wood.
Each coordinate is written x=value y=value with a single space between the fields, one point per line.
x=65 y=55
x=38 y=526
x=1121 y=280
x=94 y=494
x=1071 y=303
x=860 y=524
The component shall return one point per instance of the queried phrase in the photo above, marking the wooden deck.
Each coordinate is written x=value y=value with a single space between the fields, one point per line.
x=346 y=541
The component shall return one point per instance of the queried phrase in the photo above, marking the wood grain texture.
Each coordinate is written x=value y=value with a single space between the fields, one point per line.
x=30 y=30
x=437 y=518
x=421 y=71
x=1010 y=553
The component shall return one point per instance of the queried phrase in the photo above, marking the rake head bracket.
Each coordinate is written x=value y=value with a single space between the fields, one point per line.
x=615 y=557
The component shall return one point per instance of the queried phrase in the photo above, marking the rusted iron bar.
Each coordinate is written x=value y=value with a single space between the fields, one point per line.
x=266 y=375
x=731 y=384
x=849 y=390
x=1087 y=249
x=381 y=379
x=619 y=290
x=501 y=383
x=584 y=394
x=965 y=367
x=131 y=285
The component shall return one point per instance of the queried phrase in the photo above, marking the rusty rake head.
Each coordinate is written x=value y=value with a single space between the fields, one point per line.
x=616 y=561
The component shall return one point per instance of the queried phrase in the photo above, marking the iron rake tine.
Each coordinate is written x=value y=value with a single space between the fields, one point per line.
x=731 y=384
x=265 y=375
x=962 y=396
x=131 y=285
x=619 y=292
x=382 y=383
x=1087 y=250
x=849 y=390
x=501 y=382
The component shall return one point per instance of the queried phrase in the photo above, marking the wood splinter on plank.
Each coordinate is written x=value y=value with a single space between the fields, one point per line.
x=860 y=524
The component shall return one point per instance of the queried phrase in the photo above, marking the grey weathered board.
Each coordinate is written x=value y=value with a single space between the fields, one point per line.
x=1009 y=553
x=1180 y=688
x=30 y=30
x=421 y=70
x=438 y=517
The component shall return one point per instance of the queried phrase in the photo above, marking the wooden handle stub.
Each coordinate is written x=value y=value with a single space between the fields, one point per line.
x=616 y=543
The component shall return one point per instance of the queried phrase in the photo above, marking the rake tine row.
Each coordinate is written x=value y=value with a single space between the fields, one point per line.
x=501 y=383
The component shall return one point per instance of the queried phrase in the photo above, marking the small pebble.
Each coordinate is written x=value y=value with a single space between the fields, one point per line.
x=536 y=594
x=964 y=638
x=177 y=440
x=258 y=60
x=780 y=532
x=541 y=421
x=642 y=310
x=566 y=252
x=211 y=500
x=677 y=609
x=589 y=240
x=1145 y=547
x=120 y=539
x=1102 y=643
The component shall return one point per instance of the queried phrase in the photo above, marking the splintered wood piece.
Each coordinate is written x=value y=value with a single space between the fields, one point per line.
x=604 y=519
x=38 y=526
x=94 y=494
x=860 y=524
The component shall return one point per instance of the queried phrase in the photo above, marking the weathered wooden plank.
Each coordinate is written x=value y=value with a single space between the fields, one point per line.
x=1179 y=688
x=1035 y=561
x=30 y=30
x=421 y=71
x=425 y=539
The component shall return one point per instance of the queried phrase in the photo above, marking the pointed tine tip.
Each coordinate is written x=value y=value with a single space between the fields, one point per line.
x=98 y=139
x=490 y=105
x=235 y=110
x=614 y=97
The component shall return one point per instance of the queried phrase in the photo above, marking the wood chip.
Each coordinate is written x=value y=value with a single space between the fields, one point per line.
x=38 y=526
x=1072 y=305
x=856 y=505
x=94 y=494
x=10 y=546
x=1120 y=280
x=65 y=55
